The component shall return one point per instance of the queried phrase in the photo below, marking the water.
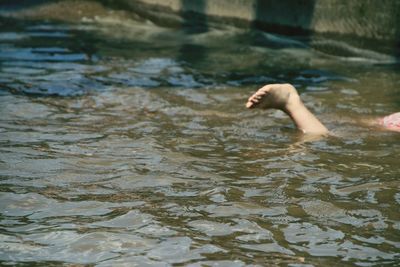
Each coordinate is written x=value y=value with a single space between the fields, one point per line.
x=124 y=143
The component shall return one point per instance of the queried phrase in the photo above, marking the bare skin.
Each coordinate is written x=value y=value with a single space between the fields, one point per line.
x=286 y=98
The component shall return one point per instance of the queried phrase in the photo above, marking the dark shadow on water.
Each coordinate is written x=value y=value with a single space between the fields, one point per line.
x=194 y=18
x=21 y=4
x=194 y=22
x=287 y=18
x=396 y=46
x=271 y=15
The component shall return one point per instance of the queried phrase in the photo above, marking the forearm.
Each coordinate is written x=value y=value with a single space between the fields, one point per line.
x=304 y=120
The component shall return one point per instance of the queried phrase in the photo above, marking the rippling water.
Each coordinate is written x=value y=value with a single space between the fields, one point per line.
x=124 y=143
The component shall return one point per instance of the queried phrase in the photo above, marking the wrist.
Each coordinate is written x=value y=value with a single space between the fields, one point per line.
x=293 y=104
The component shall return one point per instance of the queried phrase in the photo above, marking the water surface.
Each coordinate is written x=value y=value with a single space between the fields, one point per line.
x=125 y=143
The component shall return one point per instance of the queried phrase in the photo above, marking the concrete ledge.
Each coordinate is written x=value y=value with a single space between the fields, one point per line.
x=377 y=19
x=377 y=22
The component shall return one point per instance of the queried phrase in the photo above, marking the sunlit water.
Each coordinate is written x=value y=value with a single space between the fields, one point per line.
x=124 y=143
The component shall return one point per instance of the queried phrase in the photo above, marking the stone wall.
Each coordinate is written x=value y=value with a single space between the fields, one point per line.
x=378 y=19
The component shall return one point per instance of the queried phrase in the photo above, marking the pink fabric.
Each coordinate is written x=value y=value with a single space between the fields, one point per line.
x=392 y=122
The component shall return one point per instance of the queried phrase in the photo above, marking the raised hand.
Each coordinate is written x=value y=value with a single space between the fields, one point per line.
x=286 y=98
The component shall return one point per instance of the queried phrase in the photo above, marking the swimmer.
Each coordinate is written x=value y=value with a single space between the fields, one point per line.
x=286 y=98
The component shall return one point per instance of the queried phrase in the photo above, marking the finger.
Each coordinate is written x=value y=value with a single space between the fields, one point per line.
x=250 y=105
x=261 y=93
x=255 y=99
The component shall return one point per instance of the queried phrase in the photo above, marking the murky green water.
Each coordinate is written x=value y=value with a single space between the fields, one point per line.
x=123 y=143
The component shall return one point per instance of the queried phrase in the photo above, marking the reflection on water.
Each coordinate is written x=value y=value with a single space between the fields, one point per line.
x=120 y=146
